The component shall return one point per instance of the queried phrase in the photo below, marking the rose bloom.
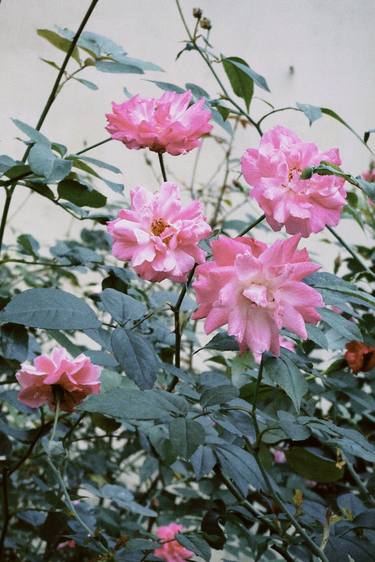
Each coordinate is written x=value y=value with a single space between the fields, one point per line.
x=171 y=551
x=360 y=357
x=58 y=375
x=256 y=290
x=158 y=235
x=166 y=124
x=274 y=172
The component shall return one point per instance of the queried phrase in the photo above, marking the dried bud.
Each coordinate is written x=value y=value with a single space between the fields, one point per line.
x=197 y=13
x=205 y=23
x=360 y=357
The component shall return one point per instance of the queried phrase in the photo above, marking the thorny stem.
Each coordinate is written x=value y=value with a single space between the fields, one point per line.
x=209 y=64
x=47 y=107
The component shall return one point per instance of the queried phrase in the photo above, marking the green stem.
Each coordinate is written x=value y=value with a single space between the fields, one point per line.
x=364 y=491
x=275 y=495
x=93 y=146
x=6 y=513
x=62 y=485
x=177 y=330
x=252 y=225
x=45 y=111
x=162 y=167
x=209 y=64
x=277 y=111
x=350 y=251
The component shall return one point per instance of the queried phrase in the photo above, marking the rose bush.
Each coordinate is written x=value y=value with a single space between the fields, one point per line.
x=125 y=433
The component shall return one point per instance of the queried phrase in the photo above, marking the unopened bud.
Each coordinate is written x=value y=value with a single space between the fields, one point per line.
x=205 y=23
x=197 y=13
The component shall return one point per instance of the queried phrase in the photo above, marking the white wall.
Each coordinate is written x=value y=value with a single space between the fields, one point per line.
x=329 y=43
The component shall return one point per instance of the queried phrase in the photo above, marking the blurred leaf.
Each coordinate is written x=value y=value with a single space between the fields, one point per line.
x=87 y=83
x=313 y=467
x=168 y=86
x=29 y=244
x=14 y=342
x=32 y=133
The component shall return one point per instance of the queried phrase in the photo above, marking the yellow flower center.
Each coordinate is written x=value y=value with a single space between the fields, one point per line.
x=158 y=226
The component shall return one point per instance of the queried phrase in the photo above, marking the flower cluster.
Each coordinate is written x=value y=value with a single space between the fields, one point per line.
x=58 y=377
x=303 y=206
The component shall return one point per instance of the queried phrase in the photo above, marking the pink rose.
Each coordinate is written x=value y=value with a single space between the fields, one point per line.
x=274 y=173
x=166 y=124
x=170 y=550
x=158 y=235
x=66 y=544
x=279 y=456
x=287 y=344
x=256 y=290
x=73 y=379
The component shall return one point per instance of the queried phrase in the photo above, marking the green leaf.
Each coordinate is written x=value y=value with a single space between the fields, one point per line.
x=167 y=86
x=196 y=544
x=312 y=466
x=59 y=42
x=240 y=467
x=367 y=187
x=258 y=79
x=294 y=430
x=32 y=133
x=41 y=160
x=281 y=371
x=132 y=404
x=80 y=194
x=87 y=83
x=312 y=112
x=101 y=164
x=241 y=82
x=197 y=91
x=317 y=336
x=122 y=307
x=366 y=134
x=203 y=461
x=222 y=342
x=29 y=244
x=219 y=395
x=50 y=309
x=347 y=291
x=334 y=115
x=117 y=67
x=347 y=328
x=186 y=436
x=136 y=356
